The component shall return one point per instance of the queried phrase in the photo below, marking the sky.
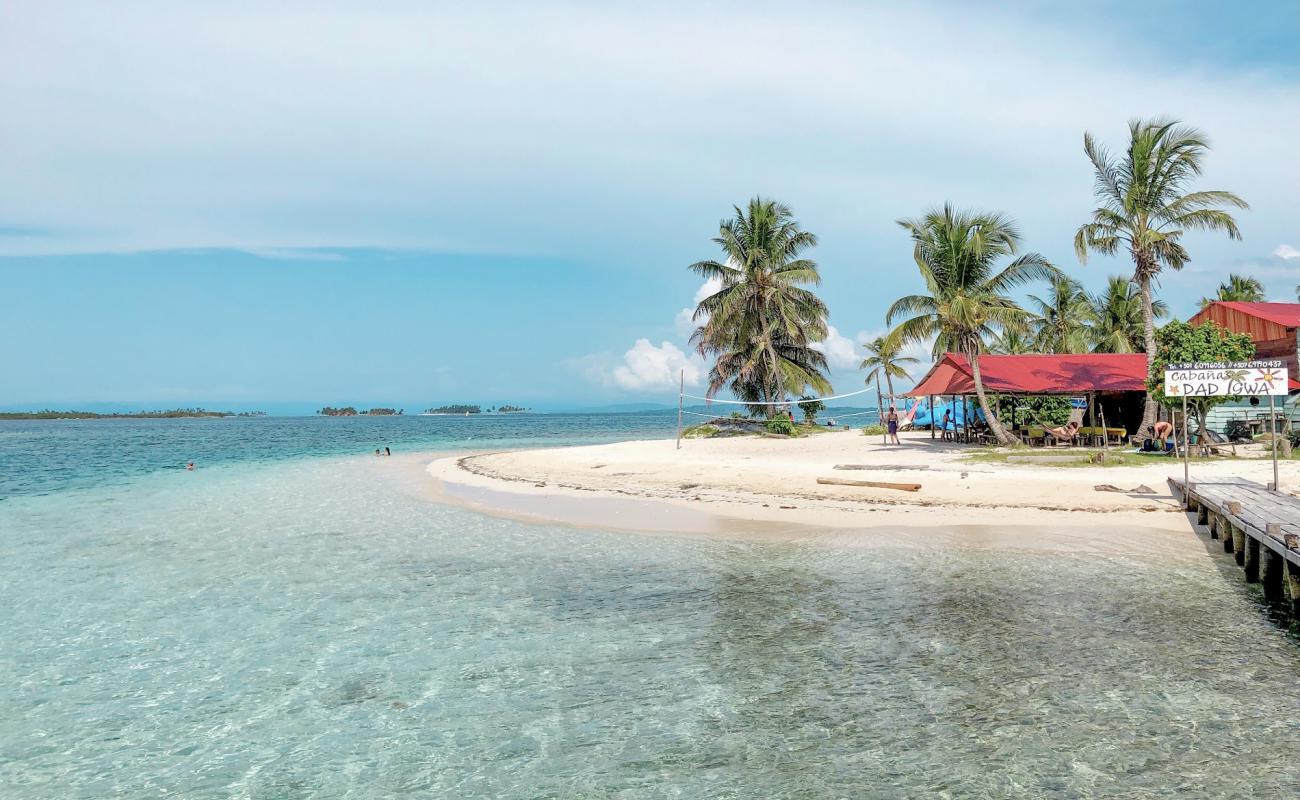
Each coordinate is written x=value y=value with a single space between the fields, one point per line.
x=299 y=204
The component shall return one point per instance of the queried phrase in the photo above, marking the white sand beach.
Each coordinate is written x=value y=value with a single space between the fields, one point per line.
x=772 y=483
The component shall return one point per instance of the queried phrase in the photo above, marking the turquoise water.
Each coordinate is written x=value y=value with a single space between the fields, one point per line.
x=304 y=624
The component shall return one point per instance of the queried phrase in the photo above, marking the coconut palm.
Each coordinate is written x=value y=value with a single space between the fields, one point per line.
x=1011 y=342
x=761 y=324
x=1237 y=288
x=957 y=253
x=885 y=360
x=1117 y=317
x=1146 y=207
x=1060 y=323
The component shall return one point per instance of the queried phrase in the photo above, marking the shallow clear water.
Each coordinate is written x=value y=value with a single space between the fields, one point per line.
x=311 y=627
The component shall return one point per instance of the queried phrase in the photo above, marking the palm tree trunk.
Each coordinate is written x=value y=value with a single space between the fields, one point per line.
x=999 y=432
x=880 y=412
x=1149 y=411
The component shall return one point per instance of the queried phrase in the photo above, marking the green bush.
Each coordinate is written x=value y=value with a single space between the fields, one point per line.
x=874 y=430
x=1045 y=410
x=780 y=426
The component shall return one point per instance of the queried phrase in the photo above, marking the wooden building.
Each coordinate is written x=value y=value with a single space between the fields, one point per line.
x=1272 y=326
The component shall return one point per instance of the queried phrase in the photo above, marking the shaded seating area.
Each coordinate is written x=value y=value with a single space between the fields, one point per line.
x=1104 y=392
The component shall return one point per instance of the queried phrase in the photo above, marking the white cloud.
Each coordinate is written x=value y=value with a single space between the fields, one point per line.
x=647 y=368
x=1287 y=252
x=238 y=124
x=684 y=323
x=841 y=351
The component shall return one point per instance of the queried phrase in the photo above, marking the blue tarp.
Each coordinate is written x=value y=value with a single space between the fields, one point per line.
x=955 y=421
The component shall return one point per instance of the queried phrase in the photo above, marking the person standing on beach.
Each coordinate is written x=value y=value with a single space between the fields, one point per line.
x=891 y=424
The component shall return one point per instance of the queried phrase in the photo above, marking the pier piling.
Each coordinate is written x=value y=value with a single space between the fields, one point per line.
x=1259 y=527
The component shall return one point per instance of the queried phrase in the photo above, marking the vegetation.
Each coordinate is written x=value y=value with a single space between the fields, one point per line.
x=454 y=409
x=509 y=409
x=1050 y=410
x=874 y=430
x=175 y=413
x=330 y=411
x=1237 y=288
x=810 y=407
x=1061 y=320
x=781 y=426
x=957 y=254
x=383 y=412
x=1146 y=207
x=762 y=322
x=885 y=360
x=1177 y=342
x=704 y=431
x=1117 y=322
x=1010 y=342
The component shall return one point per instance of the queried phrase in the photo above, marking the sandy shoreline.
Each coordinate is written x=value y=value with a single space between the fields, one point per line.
x=760 y=486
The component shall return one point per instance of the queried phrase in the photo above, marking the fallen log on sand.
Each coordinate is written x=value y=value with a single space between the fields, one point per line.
x=894 y=467
x=902 y=487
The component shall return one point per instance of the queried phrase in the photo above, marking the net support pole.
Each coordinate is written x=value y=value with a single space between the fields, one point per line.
x=681 y=400
x=1272 y=425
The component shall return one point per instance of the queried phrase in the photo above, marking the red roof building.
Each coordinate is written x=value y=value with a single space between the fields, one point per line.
x=1272 y=326
x=1072 y=374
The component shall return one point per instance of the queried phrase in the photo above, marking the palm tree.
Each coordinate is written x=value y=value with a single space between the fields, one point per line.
x=1117 y=317
x=885 y=360
x=957 y=253
x=761 y=324
x=1010 y=342
x=1239 y=289
x=1060 y=324
x=1146 y=208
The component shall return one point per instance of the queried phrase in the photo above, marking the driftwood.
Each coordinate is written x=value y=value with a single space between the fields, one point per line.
x=902 y=487
x=883 y=466
x=1139 y=489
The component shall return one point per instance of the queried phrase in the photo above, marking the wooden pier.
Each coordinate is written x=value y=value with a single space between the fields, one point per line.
x=1260 y=527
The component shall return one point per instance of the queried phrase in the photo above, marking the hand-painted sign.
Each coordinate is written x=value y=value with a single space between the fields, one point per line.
x=1220 y=379
x=1078 y=402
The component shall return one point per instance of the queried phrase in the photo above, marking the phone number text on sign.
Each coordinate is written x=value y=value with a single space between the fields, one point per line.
x=1241 y=378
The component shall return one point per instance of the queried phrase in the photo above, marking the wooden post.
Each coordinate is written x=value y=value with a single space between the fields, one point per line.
x=1272 y=424
x=681 y=400
x=1186 y=440
x=1230 y=532
x=1271 y=575
x=1291 y=580
x=1251 y=561
x=932 y=422
x=1092 y=415
x=1216 y=522
x=1239 y=539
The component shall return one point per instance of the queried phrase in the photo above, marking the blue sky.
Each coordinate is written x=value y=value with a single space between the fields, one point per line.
x=247 y=204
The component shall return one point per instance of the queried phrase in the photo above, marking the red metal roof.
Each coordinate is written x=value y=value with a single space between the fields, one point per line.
x=1284 y=314
x=1038 y=374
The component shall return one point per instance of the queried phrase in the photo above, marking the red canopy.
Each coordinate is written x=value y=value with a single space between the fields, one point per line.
x=1038 y=374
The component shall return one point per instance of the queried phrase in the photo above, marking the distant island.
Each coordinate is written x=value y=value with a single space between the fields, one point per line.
x=349 y=411
x=461 y=409
x=175 y=413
